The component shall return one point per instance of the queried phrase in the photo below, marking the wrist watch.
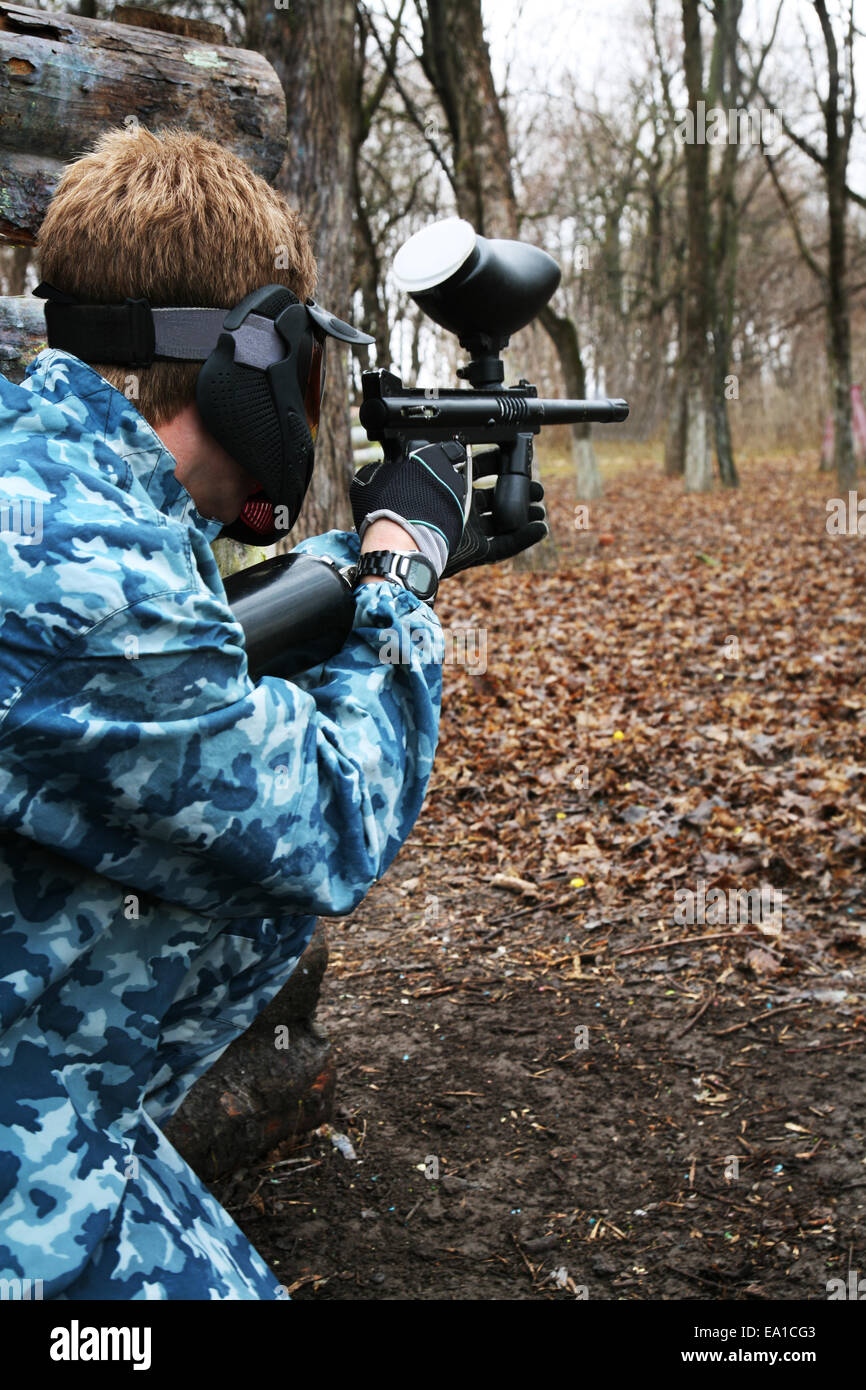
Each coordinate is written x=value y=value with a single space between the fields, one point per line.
x=407 y=567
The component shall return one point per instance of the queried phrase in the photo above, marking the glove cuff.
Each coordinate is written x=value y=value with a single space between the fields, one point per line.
x=430 y=543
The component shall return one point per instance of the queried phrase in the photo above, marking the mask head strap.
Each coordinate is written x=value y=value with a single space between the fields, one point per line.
x=134 y=334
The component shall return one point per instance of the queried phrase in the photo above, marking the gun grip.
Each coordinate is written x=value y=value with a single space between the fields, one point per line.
x=511 y=497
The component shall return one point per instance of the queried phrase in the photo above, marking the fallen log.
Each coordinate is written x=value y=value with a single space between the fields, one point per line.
x=64 y=80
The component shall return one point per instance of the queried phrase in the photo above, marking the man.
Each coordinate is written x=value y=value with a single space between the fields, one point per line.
x=169 y=829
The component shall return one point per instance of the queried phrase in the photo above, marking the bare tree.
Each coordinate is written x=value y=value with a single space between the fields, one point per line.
x=456 y=61
x=396 y=173
x=724 y=89
x=366 y=102
x=837 y=109
x=474 y=153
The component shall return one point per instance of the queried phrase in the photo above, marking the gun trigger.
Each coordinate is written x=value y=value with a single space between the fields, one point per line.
x=452 y=451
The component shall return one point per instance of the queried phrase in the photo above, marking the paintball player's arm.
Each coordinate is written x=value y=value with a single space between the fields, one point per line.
x=142 y=750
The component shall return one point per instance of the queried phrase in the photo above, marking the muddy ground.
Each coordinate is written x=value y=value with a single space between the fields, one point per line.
x=553 y=1088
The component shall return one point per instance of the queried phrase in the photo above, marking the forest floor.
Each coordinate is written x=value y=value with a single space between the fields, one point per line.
x=554 y=1085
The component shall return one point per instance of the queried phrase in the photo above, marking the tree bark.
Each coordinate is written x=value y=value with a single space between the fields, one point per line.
x=368 y=267
x=456 y=61
x=721 y=422
x=698 y=474
x=838 y=304
x=675 y=436
x=838 y=110
x=725 y=92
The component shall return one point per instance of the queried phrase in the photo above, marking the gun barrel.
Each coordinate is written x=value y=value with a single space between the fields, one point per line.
x=478 y=415
x=603 y=412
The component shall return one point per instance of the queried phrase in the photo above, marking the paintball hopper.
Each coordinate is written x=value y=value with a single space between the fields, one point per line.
x=479 y=289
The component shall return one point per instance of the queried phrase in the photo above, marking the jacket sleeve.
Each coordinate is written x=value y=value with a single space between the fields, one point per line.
x=143 y=751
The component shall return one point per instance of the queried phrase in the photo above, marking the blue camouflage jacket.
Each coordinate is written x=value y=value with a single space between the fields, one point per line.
x=151 y=796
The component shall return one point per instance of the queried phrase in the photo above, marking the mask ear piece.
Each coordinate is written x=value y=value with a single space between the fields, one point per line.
x=225 y=393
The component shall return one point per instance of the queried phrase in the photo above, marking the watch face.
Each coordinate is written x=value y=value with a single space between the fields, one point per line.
x=421 y=576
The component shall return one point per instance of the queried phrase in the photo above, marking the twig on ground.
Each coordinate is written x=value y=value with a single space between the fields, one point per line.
x=711 y=999
x=766 y=1017
x=684 y=941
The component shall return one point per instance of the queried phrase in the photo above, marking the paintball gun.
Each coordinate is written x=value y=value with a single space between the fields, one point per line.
x=297 y=610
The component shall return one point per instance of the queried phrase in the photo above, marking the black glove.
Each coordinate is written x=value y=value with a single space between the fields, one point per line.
x=481 y=543
x=424 y=487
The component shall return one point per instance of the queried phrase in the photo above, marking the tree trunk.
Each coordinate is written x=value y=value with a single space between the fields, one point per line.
x=675 y=431
x=456 y=61
x=722 y=425
x=838 y=109
x=368 y=268
x=839 y=361
x=838 y=304
x=698 y=470
x=370 y=278
x=725 y=91
x=698 y=474
x=563 y=334
x=312 y=48
x=675 y=437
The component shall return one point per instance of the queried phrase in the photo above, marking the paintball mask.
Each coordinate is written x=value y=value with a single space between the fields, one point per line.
x=259 y=391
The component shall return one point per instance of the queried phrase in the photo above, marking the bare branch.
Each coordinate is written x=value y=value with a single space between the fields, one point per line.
x=412 y=111
x=794 y=221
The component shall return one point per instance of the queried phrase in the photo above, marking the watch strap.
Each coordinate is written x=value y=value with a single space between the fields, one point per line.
x=397 y=566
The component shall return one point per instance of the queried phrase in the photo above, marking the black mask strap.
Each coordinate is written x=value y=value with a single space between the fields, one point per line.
x=121 y=333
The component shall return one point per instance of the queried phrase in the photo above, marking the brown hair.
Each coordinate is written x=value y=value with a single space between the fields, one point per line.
x=174 y=219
